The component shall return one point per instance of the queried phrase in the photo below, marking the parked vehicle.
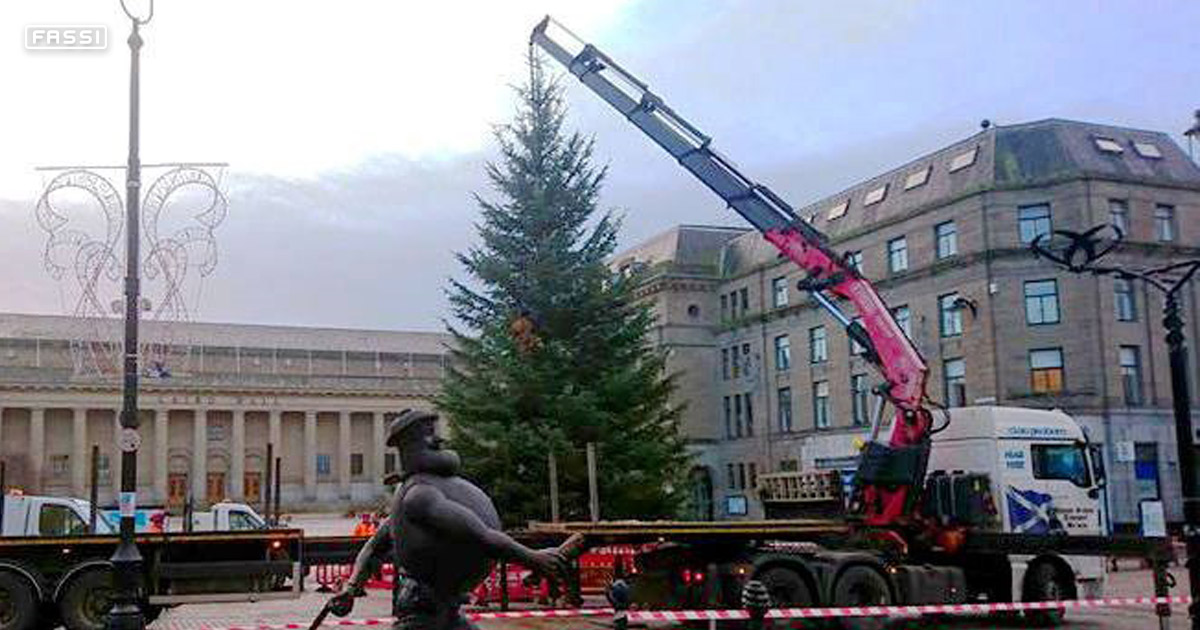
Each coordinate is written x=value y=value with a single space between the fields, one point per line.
x=54 y=568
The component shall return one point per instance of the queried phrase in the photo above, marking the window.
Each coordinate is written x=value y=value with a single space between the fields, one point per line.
x=735 y=362
x=954 y=372
x=733 y=303
x=836 y=211
x=963 y=160
x=897 y=255
x=1125 y=300
x=732 y=476
x=789 y=465
x=324 y=465
x=950 y=315
x=1041 y=302
x=818 y=352
x=903 y=319
x=875 y=196
x=728 y=418
x=1118 y=212
x=1033 y=221
x=389 y=462
x=744 y=298
x=1061 y=461
x=1131 y=375
x=60 y=520
x=724 y=308
x=947 y=239
x=1046 y=370
x=858 y=400
x=753 y=475
x=1147 y=150
x=1145 y=470
x=785 y=409
x=725 y=364
x=60 y=465
x=855 y=348
x=1164 y=222
x=916 y=178
x=783 y=353
x=103 y=467
x=749 y=415
x=241 y=521
x=737 y=416
x=854 y=260
x=821 y=404
x=779 y=292
x=1108 y=145
x=741 y=476
x=356 y=464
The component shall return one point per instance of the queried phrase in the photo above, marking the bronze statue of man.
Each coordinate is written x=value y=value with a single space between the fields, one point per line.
x=445 y=532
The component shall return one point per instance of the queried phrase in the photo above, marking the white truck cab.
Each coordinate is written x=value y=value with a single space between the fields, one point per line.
x=50 y=516
x=1044 y=479
x=227 y=516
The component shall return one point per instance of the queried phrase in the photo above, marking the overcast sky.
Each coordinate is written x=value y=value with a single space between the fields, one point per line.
x=356 y=132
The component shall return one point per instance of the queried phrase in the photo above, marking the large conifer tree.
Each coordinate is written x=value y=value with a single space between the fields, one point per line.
x=587 y=372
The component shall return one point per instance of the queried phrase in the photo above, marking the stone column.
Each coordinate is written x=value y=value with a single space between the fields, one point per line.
x=274 y=436
x=237 y=455
x=161 y=446
x=310 y=455
x=200 y=456
x=378 y=448
x=344 y=454
x=37 y=446
x=80 y=453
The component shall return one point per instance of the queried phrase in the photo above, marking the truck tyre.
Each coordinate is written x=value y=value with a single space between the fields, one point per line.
x=86 y=601
x=1045 y=583
x=787 y=588
x=18 y=606
x=862 y=586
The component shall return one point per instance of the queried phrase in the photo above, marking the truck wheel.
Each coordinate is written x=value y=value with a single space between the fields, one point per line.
x=86 y=601
x=18 y=607
x=786 y=587
x=862 y=586
x=1045 y=583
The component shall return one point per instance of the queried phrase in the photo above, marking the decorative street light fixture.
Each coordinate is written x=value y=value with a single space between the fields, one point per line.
x=126 y=613
x=1082 y=253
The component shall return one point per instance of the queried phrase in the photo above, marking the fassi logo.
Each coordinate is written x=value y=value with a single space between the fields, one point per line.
x=63 y=37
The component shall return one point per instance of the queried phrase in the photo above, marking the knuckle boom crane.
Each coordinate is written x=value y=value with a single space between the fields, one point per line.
x=891 y=474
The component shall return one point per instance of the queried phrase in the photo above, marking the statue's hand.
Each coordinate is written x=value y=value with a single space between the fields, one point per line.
x=548 y=563
x=343 y=603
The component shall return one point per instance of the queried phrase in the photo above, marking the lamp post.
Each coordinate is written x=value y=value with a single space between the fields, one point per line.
x=1081 y=253
x=126 y=613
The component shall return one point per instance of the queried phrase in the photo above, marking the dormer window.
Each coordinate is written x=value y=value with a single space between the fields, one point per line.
x=1108 y=145
x=917 y=179
x=963 y=160
x=875 y=196
x=1147 y=150
x=840 y=209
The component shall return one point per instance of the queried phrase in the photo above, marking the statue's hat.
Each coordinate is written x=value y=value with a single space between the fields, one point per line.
x=406 y=420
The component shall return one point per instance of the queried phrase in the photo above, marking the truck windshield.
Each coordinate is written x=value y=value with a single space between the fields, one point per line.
x=1061 y=461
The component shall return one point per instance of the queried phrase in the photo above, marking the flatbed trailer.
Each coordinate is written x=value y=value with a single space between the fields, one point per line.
x=706 y=564
x=68 y=579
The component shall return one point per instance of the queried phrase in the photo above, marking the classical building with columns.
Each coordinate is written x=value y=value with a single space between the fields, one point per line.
x=213 y=397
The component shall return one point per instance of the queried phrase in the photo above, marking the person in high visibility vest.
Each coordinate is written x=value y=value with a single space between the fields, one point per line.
x=364 y=528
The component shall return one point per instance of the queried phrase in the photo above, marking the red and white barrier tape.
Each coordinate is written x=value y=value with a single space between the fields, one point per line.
x=777 y=613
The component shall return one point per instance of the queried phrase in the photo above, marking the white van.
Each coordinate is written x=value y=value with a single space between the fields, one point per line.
x=50 y=516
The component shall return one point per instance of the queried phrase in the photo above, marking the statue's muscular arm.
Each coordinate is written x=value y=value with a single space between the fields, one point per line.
x=371 y=555
x=427 y=506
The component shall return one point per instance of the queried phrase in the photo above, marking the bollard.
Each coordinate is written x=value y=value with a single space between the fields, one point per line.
x=619 y=598
x=756 y=600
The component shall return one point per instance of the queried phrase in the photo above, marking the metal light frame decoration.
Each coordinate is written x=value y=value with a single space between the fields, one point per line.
x=171 y=260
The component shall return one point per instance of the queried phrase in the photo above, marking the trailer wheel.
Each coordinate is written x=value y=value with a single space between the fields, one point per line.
x=787 y=587
x=1045 y=583
x=862 y=586
x=18 y=606
x=86 y=601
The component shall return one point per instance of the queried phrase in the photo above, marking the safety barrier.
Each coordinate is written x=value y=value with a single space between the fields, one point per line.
x=778 y=613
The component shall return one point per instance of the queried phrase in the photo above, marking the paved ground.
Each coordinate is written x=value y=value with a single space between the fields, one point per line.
x=376 y=604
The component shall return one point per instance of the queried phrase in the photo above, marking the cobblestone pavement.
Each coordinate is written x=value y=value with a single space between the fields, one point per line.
x=376 y=604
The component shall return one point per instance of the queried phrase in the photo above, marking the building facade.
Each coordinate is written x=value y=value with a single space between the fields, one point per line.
x=773 y=384
x=213 y=397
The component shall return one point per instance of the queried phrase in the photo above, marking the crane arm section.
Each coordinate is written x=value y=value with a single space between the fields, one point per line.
x=887 y=474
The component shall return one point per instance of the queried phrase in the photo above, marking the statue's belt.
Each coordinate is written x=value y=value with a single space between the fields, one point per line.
x=415 y=596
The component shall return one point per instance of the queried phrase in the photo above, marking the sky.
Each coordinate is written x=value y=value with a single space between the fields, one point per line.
x=356 y=133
